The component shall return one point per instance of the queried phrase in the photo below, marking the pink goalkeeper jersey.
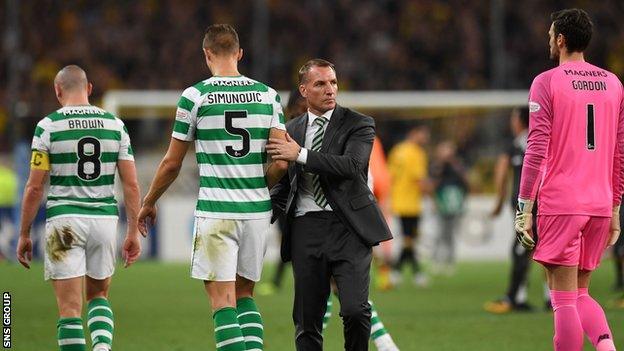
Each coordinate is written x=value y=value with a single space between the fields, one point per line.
x=576 y=141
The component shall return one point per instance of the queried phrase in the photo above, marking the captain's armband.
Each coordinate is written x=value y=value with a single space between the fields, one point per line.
x=40 y=160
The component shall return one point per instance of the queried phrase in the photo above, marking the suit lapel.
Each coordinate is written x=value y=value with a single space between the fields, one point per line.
x=335 y=122
x=300 y=129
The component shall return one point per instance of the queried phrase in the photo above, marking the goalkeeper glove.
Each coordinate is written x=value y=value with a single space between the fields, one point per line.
x=614 y=230
x=523 y=224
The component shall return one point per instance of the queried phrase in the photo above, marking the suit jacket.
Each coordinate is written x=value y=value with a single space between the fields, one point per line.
x=342 y=166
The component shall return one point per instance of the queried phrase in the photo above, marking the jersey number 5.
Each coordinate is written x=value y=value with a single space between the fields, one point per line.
x=89 y=151
x=591 y=134
x=242 y=132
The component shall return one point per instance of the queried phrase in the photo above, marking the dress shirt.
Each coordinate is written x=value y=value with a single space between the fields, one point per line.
x=305 y=199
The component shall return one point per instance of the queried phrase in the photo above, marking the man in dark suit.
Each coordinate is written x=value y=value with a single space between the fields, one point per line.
x=333 y=217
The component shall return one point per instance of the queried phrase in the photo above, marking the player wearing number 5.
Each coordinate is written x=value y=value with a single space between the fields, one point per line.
x=230 y=117
x=574 y=161
x=81 y=147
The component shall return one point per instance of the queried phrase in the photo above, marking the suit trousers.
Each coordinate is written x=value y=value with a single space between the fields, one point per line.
x=322 y=247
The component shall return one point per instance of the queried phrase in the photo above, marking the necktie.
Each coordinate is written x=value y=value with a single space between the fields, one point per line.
x=317 y=141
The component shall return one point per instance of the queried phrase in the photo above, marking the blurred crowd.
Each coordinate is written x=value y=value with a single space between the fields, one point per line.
x=376 y=45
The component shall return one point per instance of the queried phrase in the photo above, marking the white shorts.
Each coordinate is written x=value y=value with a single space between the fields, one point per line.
x=78 y=246
x=223 y=248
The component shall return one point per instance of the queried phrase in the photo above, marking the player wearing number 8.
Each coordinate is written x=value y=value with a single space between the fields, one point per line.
x=230 y=117
x=81 y=147
x=575 y=161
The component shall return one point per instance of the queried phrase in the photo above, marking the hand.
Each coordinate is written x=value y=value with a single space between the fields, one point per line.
x=523 y=224
x=280 y=149
x=24 y=251
x=131 y=249
x=614 y=230
x=147 y=216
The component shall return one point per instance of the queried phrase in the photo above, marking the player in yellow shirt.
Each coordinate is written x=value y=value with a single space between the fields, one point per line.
x=408 y=164
x=8 y=199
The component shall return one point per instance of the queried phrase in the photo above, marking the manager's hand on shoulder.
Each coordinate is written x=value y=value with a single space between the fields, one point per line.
x=280 y=149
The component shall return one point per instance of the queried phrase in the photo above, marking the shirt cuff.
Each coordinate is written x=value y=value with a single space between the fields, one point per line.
x=303 y=156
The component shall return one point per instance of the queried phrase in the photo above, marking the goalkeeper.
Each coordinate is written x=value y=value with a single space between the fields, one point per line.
x=575 y=158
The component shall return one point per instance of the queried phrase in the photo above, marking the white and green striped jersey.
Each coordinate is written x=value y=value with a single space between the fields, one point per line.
x=84 y=144
x=230 y=118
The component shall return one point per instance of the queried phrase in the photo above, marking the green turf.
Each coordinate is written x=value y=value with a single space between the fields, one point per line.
x=158 y=307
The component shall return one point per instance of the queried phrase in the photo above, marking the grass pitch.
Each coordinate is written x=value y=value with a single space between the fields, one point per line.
x=158 y=307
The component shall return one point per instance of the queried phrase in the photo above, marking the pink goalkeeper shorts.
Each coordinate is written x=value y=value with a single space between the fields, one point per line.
x=571 y=240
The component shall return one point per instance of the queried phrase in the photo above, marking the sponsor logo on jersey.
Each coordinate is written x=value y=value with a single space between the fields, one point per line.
x=230 y=83
x=534 y=106
x=585 y=73
x=81 y=111
x=182 y=115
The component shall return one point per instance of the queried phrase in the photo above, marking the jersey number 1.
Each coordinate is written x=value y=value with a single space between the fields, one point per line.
x=89 y=155
x=591 y=134
x=242 y=132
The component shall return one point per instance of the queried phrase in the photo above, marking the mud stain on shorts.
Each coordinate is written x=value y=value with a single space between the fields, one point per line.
x=212 y=241
x=211 y=244
x=197 y=242
x=220 y=228
x=59 y=242
x=216 y=234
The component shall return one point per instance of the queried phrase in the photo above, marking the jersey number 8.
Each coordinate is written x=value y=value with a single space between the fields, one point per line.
x=89 y=151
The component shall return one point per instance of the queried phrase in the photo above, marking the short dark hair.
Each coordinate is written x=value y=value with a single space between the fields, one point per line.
x=317 y=62
x=523 y=113
x=221 y=39
x=575 y=26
